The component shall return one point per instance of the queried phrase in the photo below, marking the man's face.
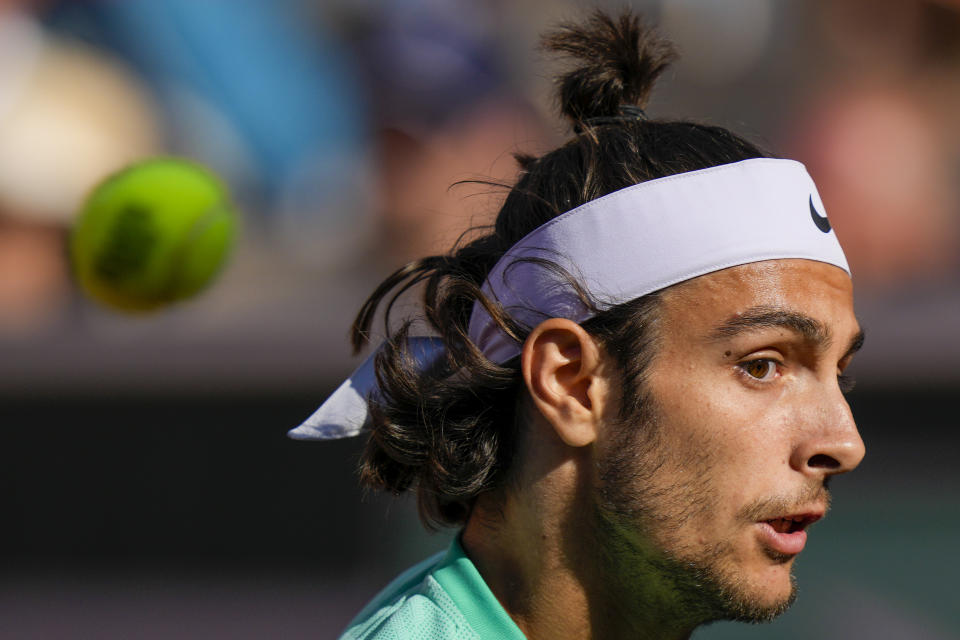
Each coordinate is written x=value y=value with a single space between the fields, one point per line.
x=708 y=497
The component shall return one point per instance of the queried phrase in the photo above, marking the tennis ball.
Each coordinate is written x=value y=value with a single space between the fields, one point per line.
x=153 y=233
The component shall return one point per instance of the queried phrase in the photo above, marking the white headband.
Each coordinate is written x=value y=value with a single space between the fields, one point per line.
x=622 y=246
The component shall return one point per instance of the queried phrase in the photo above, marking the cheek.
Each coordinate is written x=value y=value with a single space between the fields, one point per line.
x=718 y=406
x=730 y=439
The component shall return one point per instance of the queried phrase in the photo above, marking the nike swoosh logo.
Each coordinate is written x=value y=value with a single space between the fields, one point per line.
x=821 y=221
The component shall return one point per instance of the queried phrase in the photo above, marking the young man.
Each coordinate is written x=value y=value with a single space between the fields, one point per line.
x=633 y=401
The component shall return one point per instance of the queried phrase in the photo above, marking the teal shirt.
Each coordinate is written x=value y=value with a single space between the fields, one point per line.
x=442 y=598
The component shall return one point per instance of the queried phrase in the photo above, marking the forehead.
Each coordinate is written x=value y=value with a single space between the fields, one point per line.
x=819 y=290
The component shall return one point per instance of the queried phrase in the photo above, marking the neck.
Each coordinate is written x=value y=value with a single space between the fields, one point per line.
x=554 y=572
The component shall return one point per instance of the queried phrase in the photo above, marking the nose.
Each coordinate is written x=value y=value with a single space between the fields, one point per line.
x=832 y=444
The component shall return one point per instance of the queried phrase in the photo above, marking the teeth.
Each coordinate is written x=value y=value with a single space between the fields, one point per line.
x=784 y=525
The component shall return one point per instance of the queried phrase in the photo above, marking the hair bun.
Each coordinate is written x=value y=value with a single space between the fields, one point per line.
x=617 y=62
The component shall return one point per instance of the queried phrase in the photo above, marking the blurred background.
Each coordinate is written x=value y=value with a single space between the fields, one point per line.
x=148 y=489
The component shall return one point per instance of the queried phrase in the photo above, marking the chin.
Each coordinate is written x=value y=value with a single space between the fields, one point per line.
x=765 y=605
x=760 y=598
x=757 y=589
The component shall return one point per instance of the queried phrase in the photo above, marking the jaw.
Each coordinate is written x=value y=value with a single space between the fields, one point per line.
x=744 y=578
x=699 y=582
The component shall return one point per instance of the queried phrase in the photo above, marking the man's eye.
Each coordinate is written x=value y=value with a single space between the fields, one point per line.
x=762 y=369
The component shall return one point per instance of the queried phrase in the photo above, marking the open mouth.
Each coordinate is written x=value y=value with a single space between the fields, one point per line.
x=792 y=524
x=785 y=536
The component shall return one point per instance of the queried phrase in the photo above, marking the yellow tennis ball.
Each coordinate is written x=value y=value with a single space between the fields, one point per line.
x=153 y=233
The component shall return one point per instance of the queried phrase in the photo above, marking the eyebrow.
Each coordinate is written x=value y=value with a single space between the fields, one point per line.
x=810 y=329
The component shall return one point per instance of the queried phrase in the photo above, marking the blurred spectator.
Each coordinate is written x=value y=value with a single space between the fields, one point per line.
x=342 y=127
x=881 y=137
x=259 y=91
x=444 y=113
x=68 y=116
x=888 y=181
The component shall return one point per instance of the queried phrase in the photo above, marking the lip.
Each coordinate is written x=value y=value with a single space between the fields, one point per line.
x=786 y=534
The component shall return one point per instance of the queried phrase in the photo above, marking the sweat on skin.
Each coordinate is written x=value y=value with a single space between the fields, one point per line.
x=749 y=423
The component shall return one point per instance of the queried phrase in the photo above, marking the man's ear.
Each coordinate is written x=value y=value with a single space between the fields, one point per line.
x=560 y=364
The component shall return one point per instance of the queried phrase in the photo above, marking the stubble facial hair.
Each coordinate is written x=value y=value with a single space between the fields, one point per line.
x=636 y=511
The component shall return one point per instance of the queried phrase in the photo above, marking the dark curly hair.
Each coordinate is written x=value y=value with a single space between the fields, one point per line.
x=450 y=432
